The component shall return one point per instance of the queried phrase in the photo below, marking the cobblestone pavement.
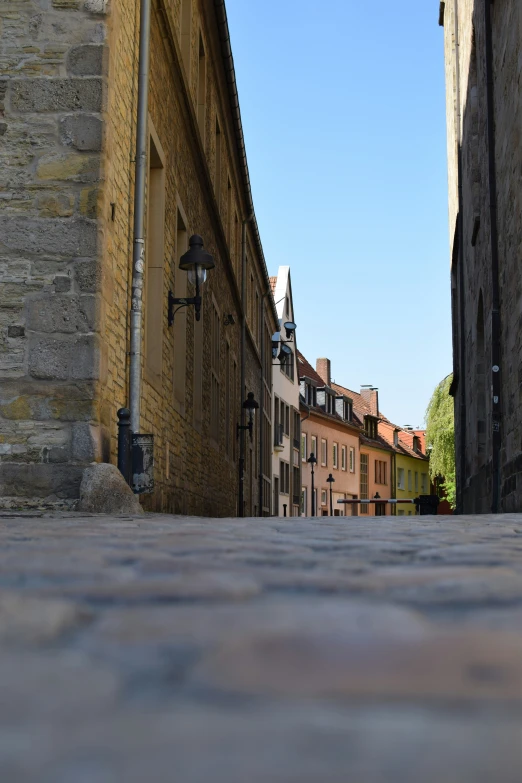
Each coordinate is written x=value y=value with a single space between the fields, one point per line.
x=190 y=650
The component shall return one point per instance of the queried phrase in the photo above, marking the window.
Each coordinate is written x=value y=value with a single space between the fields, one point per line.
x=304 y=501
x=424 y=483
x=186 y=23
x=217 y=182
x=284 y=477
x=324 y=452
x=416 y=481
x=364 y=482
x=154 y=261
x=287 y=367
x=313 y=446
x=352 y=459
x=202 y=89
x=370 y=426
x=215 y=418
x=228 y=370
x=324 y=497
x=380 y=472
x=336 y=455
x=304 y=452
x=287 y=418
x=400 y=479
x=343 y=457
x=179 y=327
x=400 y=513
x=410 y=485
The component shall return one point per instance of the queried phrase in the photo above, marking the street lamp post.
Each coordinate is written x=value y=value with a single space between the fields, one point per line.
x=250 y=406
x=312 y=461
x=331 y=480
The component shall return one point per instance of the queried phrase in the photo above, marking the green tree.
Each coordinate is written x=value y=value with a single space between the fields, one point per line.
x=440 y=436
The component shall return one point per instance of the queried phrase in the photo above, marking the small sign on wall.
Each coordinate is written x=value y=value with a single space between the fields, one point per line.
x=142 y=463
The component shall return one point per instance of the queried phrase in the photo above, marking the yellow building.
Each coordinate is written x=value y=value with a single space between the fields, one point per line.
x=411 y=477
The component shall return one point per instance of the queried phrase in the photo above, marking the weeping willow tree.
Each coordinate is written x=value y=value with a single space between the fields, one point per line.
x=440 y=436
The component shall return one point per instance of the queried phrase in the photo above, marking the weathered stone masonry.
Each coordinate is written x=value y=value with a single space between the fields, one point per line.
x=52 y=356
x=69 y=92
x=473 y=274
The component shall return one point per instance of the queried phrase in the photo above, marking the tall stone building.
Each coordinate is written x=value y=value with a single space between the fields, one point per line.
x=69 y=105
x=483 y=44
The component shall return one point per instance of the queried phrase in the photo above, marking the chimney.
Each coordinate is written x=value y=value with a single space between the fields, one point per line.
x=322 y=367
x=371 y=397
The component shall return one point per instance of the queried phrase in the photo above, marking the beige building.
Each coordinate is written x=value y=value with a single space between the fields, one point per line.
x=286 y=461
x=482 y=45
x=70 y=99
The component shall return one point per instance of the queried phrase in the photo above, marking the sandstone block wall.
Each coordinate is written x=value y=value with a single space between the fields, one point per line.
x=52 y=91
x=68 y=121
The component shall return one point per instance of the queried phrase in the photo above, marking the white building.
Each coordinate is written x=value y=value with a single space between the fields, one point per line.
x=286 y=462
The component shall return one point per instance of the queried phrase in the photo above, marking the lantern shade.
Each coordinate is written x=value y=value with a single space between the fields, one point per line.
x=290 y=328
x=196 y=257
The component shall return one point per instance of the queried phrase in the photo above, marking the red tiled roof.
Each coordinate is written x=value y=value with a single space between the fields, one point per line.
x=306 y=369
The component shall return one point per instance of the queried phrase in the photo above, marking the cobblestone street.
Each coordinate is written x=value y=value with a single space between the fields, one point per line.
x=260 y=650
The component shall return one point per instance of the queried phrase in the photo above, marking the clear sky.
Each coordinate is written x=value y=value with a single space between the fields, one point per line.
x=343 y=111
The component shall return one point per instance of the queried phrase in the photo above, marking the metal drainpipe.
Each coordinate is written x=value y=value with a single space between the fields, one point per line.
x=462 y=303
x=262 y=400
x=138 y=256
x=241 y=463
x=495 y=285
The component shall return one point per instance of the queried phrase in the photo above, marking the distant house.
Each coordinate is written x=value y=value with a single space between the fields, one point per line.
x=286 y=463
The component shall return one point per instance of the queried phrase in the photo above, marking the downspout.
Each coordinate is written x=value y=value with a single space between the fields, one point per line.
x=495 y=285
x=262 y=400
x=138 y=256
x=241 y=463
x=462 y=302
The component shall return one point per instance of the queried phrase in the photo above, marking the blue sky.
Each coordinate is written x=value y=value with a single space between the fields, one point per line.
x=343 y=111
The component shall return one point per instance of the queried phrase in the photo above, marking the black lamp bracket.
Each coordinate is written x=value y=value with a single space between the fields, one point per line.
x=183 y=302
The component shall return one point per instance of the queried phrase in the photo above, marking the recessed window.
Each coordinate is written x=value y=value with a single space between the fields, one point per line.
x=352 y=459
x=218 y=153
x=364 y=482
x=202 y=88
x=284 y=477
x=304 y=447
x=313 y=446
x=380 y=472
x=324 y=499
x=324 y=452
x=343 y=457
x=304 y=501
x=335 y=455
x=154 y=262
x=416 y=481
x=410 y=482
x=400 y=479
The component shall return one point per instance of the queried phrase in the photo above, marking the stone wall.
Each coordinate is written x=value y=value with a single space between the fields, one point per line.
x=68 y=237
x=52 y=92
x=473 y=298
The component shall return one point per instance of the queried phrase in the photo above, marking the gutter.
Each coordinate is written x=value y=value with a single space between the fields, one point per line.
x=228 y=61
x=495 y=283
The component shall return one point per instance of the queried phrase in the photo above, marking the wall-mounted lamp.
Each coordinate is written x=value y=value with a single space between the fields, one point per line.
x=290 y=328
x=196 y=262
x=251 y=406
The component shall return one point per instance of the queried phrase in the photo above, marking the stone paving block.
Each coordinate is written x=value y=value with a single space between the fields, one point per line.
x=166 y=648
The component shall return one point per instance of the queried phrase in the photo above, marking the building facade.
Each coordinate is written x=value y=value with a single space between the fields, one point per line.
x=411 y=464
x=329 y=432
x=286 y=462
x=69 y=97
x=482 y=44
